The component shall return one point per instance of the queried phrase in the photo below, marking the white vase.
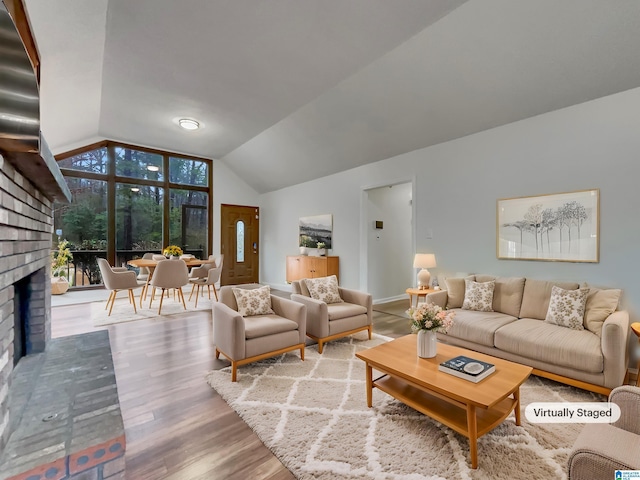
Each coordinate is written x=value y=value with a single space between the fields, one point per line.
x=304 y=251
x=427 y=344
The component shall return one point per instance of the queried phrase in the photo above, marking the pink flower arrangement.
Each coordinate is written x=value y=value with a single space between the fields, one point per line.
x=430 y=317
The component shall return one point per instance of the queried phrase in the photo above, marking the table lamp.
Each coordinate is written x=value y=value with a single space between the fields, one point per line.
x=424 y=261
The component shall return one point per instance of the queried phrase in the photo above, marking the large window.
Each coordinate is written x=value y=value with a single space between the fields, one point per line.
x=130 y=200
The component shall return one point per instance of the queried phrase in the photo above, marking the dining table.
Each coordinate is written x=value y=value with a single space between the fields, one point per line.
x=151 y=265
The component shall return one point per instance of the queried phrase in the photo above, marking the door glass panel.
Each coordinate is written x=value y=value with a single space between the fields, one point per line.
x=138 y=221
x=240 y=241
x=188 y=221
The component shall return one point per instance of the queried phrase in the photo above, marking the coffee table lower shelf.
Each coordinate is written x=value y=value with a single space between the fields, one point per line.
x=465 y=419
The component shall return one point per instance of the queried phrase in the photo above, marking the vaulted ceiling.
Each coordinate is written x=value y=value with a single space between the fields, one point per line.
x=292 y=90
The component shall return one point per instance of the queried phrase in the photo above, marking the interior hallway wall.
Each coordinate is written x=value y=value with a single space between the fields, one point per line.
x=390 y=249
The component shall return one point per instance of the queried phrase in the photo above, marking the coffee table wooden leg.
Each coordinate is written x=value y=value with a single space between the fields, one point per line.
x=472 y=425
x=516 y=409
x=369 y=386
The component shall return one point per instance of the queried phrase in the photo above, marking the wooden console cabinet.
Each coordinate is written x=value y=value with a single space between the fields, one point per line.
x=304 y=266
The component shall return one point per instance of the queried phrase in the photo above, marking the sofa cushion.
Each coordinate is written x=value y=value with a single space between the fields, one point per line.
x=478 y=327
x=566 y=307
x=263 y=325
x=531 y=338
x=455 y=290
x=600 y=304
x=256 y=301
x=537 y=293
x=478 y=296
x=324 y=289
x=344 y=309
x=507 y=294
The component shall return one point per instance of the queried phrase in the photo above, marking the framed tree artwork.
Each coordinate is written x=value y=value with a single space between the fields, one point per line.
x=560 y=227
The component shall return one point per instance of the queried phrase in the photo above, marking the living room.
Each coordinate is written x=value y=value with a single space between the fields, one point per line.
x=577 y=138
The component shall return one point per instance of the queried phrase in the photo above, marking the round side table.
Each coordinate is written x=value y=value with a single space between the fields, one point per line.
x=636 y=329
x=418 y=292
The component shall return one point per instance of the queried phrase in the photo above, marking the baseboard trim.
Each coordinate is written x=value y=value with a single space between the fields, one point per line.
x=377 y=301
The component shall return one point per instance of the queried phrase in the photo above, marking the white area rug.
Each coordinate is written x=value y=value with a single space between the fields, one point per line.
x=313 y=416
x=123 y=310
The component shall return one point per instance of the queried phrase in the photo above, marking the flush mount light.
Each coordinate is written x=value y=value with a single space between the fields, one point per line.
x=188 y=124
x=135 y=189
x=153 y=168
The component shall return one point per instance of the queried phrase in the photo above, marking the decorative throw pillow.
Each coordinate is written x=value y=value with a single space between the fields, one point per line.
x=478 y=296
x=256 y=301
x=455 y=290
x=324 y=289
x=566 y=307
x=600 y=304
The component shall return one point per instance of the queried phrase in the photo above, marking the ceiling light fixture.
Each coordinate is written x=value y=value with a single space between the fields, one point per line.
x=135 y=189
x=153 y=168
x=188 y=124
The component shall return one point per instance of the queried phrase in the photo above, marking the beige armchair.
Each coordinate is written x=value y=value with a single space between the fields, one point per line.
x=326 y=322
x=251 y=338
x=117 y=281
x=169 y=274
x=603 y=448
x=210 y=278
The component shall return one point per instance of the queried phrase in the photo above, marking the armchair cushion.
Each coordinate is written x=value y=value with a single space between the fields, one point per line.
x=263 y=325
x=324 y=289
x=344 y=309
x=253 y=302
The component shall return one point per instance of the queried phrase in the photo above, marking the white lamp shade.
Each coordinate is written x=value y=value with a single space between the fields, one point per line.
x=424 y=260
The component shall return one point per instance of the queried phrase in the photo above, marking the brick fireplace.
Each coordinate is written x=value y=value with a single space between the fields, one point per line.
x=25 y=289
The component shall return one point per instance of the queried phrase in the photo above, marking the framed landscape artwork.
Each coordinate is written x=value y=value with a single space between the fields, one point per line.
x=561 y=227
x=318 y=228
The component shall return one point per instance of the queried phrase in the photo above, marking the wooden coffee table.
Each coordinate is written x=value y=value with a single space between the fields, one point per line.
x=417 y=382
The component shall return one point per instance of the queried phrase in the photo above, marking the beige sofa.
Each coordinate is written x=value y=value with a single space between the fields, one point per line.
x=593 y=359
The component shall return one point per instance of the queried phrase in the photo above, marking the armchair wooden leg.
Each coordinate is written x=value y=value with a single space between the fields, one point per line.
x=113 y=300
x=193 y=287
x=217 y=353
x=370 y=329
x=152 y=296
x=302 y=352
x=234 y=371
x=320 y=346
x=209 y=290
x=215 y=293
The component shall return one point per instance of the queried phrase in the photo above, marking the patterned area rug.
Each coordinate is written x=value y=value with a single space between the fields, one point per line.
x=123 y=310
x=313 y=416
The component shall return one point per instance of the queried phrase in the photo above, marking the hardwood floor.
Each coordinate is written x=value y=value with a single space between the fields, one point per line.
x=177 y=427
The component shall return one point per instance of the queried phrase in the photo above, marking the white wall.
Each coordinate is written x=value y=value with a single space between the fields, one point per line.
x=591 y=145
x=390 y=249
x=231 y=189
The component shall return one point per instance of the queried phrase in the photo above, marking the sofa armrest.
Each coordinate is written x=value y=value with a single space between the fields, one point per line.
x=317 y=315
x=438 y=298
x=358 y=298
x=628 y=399
x=615 y=337
x=295 y=311
x=600 y=450
x=228 y=331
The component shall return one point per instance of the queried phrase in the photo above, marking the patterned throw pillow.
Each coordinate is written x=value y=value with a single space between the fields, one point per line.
x=566 y=307
x=256 y=301
x=478 y=296
x=324 y=289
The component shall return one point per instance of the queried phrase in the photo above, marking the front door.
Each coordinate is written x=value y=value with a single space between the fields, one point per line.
x=239 y=244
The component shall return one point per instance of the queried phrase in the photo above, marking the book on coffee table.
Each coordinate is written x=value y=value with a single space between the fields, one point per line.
x=467 y=368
